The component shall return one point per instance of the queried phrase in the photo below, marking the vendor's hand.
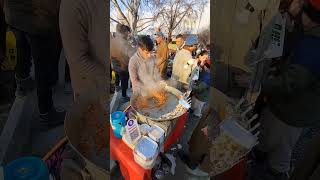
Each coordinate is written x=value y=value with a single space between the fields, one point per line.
x=163 y=83
x=205 y=131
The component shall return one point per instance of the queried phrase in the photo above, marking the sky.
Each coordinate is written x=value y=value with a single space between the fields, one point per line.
x=204 y=22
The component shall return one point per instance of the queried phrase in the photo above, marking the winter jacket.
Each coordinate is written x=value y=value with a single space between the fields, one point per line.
x=33 y=16
x=181 y=69
x=83 y=28
x=293 y=93
x=162 y=54
x=201 y=87
x=141 y=72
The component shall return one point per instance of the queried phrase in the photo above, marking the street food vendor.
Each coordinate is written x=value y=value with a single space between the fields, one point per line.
x=183 y=61
x=142 y=65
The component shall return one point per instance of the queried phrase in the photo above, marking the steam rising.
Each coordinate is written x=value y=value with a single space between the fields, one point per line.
x=150 y=78
x=121 y=50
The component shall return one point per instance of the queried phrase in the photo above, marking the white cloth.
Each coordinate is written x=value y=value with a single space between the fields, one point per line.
x=182 y=66
x=197 y=106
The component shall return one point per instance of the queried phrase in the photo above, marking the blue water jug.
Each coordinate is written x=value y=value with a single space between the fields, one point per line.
x=26 y=168
x=118 y=123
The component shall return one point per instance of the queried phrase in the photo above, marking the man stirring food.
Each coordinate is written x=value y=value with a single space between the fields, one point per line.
x=142 y=65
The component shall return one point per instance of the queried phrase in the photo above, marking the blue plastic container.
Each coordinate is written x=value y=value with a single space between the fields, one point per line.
x=26 y=168
x=118 y=123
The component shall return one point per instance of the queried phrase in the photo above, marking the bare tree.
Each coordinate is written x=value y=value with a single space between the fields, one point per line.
x=173 y=12
x=131 y=13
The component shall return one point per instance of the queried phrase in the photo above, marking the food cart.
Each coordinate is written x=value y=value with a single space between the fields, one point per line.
x=169 y=118
x=123 y=154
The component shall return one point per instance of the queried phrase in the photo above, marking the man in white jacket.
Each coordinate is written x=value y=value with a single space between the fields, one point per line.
x=183 y=61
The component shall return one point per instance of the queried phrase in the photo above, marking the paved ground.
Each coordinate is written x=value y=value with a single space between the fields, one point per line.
x=42 y=142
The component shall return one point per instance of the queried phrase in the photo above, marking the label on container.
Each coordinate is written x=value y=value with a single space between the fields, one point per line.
x=132 y=130
x=277 y=37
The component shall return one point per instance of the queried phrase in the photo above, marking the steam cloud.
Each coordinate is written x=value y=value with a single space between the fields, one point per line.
x=150 y=79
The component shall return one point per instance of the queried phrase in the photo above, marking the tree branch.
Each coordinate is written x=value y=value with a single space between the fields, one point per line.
x=143 y=28
x=120 y=11
x=146 y=18
x=166 y=22
x=175 y=11
x=115 y=20
x=186 y=12
x=126 y=5
x=140 y=25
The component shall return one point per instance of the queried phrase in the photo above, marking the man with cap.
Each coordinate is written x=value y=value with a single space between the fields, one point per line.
x=290 y=91
x=162 y=54
x=183 y=62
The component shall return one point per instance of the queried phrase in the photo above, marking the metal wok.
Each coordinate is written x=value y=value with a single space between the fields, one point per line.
x=169 y=111
x=97 y=165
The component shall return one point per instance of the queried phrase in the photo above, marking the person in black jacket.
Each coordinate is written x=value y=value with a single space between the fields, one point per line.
x=120 y=53
x=3 y=28
x=35 y=25
x=290 y=91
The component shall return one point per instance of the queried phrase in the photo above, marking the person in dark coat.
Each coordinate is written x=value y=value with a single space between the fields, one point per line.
x=3 y=28
x=120 y=53
x=291 y=93
x=35 y=25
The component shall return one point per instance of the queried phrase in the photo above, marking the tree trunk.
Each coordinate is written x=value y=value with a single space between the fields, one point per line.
x=134 y=26
x=135 y=23
x=169 y=35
